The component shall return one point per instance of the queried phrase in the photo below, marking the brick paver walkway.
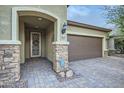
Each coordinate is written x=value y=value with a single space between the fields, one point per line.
x=98 y=72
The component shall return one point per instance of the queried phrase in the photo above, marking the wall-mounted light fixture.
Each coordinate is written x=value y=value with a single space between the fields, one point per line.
x=64 y=28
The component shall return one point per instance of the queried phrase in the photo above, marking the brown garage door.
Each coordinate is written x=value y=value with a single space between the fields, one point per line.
x=82 y=47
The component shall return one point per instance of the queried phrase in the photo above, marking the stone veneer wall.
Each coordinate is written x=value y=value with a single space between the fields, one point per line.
x=9 y=63
x=60 y=51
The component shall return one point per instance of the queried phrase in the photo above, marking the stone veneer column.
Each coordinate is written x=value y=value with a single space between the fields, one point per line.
x=60 y=52
x=60 y=59
x=9 y=63
x=111 y=46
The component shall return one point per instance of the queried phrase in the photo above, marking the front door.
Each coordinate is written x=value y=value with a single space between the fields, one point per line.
x=35 y=44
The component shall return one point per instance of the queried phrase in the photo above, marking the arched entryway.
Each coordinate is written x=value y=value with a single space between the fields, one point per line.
x=40 y=36
x=30 y=22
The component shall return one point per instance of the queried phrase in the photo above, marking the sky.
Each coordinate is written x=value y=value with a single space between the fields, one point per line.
x=88 y=14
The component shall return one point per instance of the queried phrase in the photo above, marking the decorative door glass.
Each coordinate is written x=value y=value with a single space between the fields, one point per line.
x=35 y=44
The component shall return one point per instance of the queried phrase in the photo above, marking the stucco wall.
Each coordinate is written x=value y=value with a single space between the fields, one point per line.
x=6 y=17
x=27 y=43
x=89 y=32
x=49 y=40
x=5 y=23
x=22 y=39
x=43 y=43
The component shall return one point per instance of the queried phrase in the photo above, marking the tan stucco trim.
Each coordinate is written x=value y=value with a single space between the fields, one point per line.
x=10 y=42
x=84 y=34
x=22 y=39
x=15 y=27
x=62 y=42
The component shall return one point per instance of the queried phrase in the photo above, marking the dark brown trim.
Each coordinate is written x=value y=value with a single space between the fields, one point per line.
x=82 y=25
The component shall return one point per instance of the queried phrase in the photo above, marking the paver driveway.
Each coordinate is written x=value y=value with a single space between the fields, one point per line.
x=98 y=72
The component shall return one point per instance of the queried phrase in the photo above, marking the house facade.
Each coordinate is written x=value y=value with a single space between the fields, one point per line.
x=40 y=31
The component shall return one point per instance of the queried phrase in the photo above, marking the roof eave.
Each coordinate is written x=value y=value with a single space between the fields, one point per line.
x=72 y=23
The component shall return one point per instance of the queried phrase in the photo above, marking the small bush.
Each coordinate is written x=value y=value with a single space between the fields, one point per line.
x=119 y=45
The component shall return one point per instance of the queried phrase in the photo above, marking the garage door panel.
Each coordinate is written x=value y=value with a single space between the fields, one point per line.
x=82 y=47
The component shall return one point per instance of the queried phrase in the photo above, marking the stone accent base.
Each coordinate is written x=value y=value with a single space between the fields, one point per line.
x=17 y=84
x=60 y=53
x=111 y=52
x=9 y=63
